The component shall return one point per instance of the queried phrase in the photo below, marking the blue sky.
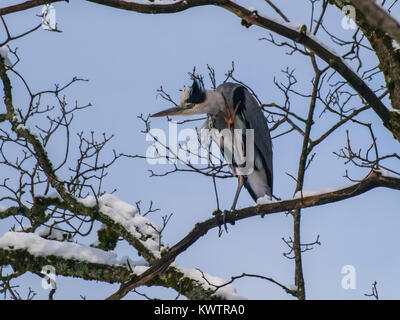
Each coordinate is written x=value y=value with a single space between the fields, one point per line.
x=127 y=56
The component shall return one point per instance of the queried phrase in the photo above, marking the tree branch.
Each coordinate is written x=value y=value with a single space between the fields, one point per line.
x=299 y=35
x=22 y=261
x=248 y=18
x=26 y=5
x=376 y=16
x=389 y=64
x=374 y=180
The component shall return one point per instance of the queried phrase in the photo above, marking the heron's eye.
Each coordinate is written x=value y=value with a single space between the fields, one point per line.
x=189 y=105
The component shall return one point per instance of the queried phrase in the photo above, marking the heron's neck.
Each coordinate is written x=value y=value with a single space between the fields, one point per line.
x=214 y=103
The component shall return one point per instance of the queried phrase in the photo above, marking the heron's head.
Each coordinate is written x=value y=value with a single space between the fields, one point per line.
x=194 y=100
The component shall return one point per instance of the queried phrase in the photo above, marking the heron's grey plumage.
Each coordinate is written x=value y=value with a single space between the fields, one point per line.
x=250 y=116
x=197 y=100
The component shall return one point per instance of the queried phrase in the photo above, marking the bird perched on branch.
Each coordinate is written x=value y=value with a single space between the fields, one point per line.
x=231 y=106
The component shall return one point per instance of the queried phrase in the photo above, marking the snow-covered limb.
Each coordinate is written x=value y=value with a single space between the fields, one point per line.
x=4 y=55
x=310 y=193
x=209 y=282
x=387 y=173
x=129 y=218
x=137 y=230
x=379 y=17
x=116 y=214
x=38 y=246
x=372 y=24
x=28 y=251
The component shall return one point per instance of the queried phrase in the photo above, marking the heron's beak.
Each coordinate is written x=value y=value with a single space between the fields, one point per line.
x=175 y=111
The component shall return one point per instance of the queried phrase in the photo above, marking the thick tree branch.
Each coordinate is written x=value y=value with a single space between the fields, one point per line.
x=26 y=5
x=22 y=261
x=374 y=180
x=252 y=17
x=389 y=63
x=155 y=8
x=378 y=17
x=299 y=35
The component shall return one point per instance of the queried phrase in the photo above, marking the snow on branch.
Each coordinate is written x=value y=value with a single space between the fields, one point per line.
x=139 y=227
x=38 y=246
x=129 y=218
x=73 y=259
x=379 y=17
x=217 y=285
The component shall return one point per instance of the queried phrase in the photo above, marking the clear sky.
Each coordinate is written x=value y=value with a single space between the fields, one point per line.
x=127 y=56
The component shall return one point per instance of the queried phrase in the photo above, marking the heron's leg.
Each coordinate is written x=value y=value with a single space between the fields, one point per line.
x=240 y=185
x=235 y=111
x=239 y=188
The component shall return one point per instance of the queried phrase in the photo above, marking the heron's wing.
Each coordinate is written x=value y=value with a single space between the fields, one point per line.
x=253 y=114
x=250 y=112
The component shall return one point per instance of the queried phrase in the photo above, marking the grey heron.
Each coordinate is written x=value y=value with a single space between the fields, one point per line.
x=232 y=106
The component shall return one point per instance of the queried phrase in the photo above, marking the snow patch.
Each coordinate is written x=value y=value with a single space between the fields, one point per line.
x=52 y=233
x=38 y=246
x=309 y=193
x=395 y=45
x=128 y=216
x=4 y=54
x=293 y=287
x=89 y=201
x=228 y=292
x=387 y=173
x=265 y=200
x=21 y=126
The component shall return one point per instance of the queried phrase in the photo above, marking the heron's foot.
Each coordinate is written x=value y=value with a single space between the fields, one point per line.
x=225 y=220
x=218 y=214
x=222 y=219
